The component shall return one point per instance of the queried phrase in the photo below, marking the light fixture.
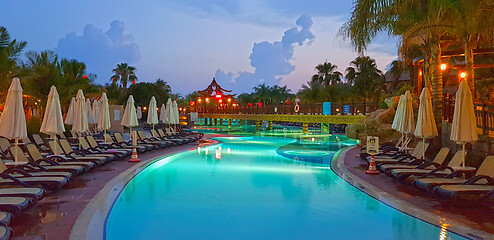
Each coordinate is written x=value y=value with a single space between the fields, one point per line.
x=463 y=74
x=443 y=66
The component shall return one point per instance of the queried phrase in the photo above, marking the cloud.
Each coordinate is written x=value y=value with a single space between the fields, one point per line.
x=270 y=60
x=100 y=50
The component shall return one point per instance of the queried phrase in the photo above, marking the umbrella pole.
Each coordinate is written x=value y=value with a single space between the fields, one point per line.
x=423 y=148
x=463 y=155
x=55 y=139
x=16 y=147
x=131 y=135
x=104 y=136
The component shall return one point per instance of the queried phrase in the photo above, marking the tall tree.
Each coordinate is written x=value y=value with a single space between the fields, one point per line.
x=366 y=78
x=124 y=73
x=10 y=50
x=327 y=74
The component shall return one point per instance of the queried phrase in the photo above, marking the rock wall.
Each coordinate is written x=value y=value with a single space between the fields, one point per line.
x=377 y=123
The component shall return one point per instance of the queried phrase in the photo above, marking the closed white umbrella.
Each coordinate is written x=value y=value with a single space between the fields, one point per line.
x=403 y=121
x=52 y=121
x=169 y=111
x=426 y=125
x=139 y=113
x=104 y=114
x=69 y=117
x=464 y=128
x=129 y=118
x=152 y=112
x=96 y=105
x=162 y=113
x=89 y=112
x=80 y=123
x=13 y=119
x=176 y=114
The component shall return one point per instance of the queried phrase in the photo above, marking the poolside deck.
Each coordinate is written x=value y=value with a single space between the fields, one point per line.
x=53 y=217
x=477 y=217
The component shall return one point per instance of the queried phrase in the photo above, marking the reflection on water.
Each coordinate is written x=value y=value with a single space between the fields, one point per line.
x=243 y=189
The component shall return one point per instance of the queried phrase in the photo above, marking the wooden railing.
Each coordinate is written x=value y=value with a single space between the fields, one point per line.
x=305 y=109
x=484 y=112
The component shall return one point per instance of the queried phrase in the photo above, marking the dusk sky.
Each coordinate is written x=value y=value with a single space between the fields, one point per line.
x=242 y=43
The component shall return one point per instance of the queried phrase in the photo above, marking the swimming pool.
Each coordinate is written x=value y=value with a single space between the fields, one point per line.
x=244 y=189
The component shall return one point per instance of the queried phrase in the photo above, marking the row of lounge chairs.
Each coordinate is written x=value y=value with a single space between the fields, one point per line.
x=441 y=177
x=51 y=164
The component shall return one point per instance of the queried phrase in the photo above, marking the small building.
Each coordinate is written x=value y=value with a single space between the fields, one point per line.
x=214 y=94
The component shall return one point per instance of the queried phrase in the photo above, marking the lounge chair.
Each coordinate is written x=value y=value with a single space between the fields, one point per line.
x=35 y=194
x=65 y=148
x=49 y=169
x=19 y=177
x=121 y=141
x=14 y=205
x=428 y=183
x=5 y=218
x=109 y=140
x=162 y=144
x=176 y=141
x=418 y=164
x=96 y=152
x=410 y=175
x=5 y=233
x=70 y=165
x=108 y=148
x=40 y=143
x=417 y=153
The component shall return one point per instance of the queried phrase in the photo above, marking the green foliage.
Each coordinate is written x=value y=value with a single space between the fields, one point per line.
x=267 y=95
x=10 y=51
x=142 y=93
x=33 y=126
x=124 y=73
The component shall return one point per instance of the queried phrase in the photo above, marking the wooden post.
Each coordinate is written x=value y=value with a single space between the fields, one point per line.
x=240 y=122
x=221 y=121
x=484 y=118
x=229 y=123
x=270 y=125
x=257 y=125
x=305 y=127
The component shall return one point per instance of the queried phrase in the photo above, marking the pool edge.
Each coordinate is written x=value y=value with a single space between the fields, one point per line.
x=337 y=165
x=91 y=222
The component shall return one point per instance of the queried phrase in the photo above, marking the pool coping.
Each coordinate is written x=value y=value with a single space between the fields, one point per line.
x=338 y=167
x=91 y=223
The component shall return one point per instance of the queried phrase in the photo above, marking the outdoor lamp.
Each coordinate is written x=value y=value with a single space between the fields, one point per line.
x=144 y=108
x=463 y=74
x=443 y=66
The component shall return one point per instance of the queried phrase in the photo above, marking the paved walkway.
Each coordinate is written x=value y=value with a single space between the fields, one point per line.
x=52 y=218
x=478 y=217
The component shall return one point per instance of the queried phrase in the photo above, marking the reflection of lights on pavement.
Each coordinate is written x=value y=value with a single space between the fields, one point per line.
x=444 y=231
x=218 y=154
x=206 y=152
x=228 y=150
x=199 y=150
x=313 y=139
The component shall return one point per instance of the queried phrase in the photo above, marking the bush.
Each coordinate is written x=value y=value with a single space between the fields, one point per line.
x=33 y=126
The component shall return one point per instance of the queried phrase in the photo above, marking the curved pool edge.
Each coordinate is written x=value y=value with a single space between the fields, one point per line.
x=91 y=223
x=337 y=165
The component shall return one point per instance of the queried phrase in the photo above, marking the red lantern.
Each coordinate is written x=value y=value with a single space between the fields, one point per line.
x=250 y=104
x=134 y=82
x=192 y=103
x=259 y=104
x=218 y=96
x=84 y=76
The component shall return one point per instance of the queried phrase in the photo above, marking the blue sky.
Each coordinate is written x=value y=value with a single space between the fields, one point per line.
x=187 y=42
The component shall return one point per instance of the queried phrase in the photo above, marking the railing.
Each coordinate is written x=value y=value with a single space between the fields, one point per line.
x=305 y=109
x=484 y=113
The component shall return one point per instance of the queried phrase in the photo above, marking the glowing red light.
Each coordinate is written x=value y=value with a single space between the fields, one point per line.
x=192 y=103
x=218 y=96
x=259 y=104
x=134 y=82
x=84 y=76
x=250 y=104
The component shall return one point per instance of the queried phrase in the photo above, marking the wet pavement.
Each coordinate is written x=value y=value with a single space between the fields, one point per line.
x=52 y=217
x=479 y=217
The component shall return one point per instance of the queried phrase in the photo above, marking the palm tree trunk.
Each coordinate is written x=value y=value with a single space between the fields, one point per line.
x=437 y=86
x=470 y=66
x=427 y=74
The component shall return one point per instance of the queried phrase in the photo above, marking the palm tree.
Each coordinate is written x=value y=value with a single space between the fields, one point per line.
x=366 y=78
x=123 y=74
x=10 y=51
x=327 y=74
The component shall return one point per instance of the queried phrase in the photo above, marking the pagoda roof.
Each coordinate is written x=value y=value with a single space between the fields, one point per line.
x=216 y=88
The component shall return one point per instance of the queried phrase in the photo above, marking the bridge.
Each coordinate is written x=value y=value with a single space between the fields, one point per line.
x=350 y=113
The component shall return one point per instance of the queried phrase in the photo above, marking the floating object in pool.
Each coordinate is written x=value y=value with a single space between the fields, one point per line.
x=134 y=157
x=372 y=167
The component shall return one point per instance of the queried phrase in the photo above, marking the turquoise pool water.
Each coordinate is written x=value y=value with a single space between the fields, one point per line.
x=244 y=189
